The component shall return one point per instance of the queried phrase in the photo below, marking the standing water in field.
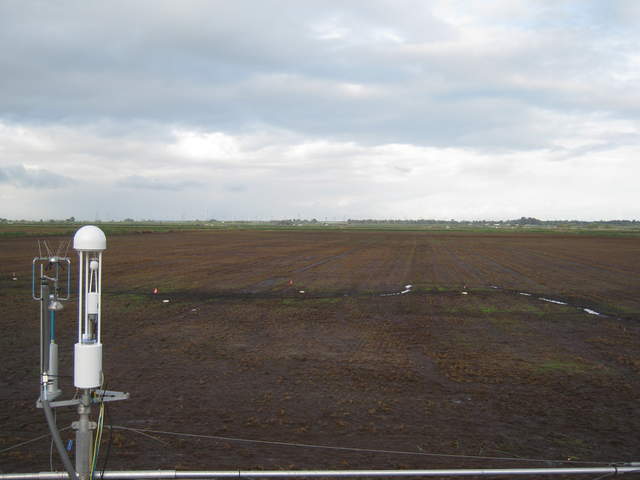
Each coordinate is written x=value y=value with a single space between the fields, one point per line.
x=407 y=289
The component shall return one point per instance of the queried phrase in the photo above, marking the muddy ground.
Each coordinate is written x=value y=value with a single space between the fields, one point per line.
x=240 y=353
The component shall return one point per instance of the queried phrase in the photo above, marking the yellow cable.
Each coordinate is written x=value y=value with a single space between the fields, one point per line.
x=98 y=439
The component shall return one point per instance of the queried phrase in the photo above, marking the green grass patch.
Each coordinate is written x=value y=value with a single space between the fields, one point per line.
x=328 y=300
x=311 y=301
x=565 y=367
x=507 y=322
x=513 y=308
x=67 y=228
x=438 y=288
x=128 y=303
x=132 y=298
x=528 y=308
x=488 y=309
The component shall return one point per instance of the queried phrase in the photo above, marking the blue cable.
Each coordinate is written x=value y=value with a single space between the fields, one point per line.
x=52 y=324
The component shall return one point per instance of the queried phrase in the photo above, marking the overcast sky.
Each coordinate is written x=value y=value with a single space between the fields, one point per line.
x=327 y=109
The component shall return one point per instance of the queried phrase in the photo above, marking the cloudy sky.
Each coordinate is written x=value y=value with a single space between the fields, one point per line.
x=327 y=109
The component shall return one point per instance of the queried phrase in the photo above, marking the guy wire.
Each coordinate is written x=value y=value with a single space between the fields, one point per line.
x=356 y=449
x=18 y=445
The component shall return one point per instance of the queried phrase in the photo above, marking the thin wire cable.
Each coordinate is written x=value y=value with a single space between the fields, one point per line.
x=356 y=449
x=99 y=430
x=106 y=456
x=97 y=440
x=31 y=441
x=139 y=432
x=66 y=250
x=63 y=245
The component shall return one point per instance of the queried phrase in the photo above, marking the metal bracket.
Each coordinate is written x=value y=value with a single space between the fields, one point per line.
x=98 y=397
x=76 y=425
x=58 y=262
x=108 y=396
x=59 y=403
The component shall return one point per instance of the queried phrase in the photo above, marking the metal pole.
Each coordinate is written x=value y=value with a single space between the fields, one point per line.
x=45 y=327
x=80 y=295
x=84 y=436
x=99 y=289
x=172 y=474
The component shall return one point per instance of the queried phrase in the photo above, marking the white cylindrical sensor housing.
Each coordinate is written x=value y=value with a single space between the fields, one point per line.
x=87 y=371
x=53 y=391
x=92 y=303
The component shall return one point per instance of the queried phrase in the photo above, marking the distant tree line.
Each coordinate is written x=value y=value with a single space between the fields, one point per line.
x=522 y=221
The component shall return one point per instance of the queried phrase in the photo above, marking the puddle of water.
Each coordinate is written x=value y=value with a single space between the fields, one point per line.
x=407 y=289
x=557 y=302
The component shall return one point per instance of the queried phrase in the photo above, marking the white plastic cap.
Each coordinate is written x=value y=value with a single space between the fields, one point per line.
x=89 y=238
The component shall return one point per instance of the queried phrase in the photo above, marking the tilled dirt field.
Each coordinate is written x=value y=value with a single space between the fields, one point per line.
x=240 y=353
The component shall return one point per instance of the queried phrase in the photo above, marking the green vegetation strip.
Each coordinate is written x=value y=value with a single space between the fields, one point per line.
x=50 y=228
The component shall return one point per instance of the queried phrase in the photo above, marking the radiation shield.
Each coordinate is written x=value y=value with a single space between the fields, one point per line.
x=89 y=241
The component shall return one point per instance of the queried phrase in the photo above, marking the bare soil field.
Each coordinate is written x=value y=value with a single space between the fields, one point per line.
x=251 y=368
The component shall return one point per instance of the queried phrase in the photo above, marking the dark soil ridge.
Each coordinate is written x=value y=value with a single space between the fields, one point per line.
x=578 y=303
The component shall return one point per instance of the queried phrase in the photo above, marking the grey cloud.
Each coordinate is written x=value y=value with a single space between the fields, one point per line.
x=235 y=188
x=150 y=183
x=203 y=64
x=18 y=176
x=597 y=146
x=331 y=101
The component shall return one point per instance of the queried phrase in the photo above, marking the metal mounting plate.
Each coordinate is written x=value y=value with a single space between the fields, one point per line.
x=98 y=397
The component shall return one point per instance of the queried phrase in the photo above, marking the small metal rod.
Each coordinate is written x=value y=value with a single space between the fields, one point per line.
x=173 y=474
x=99 y=289
x=87 y=273
x=80 y=296
x=42 y=319
x=52 y=323
x=45 y=328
